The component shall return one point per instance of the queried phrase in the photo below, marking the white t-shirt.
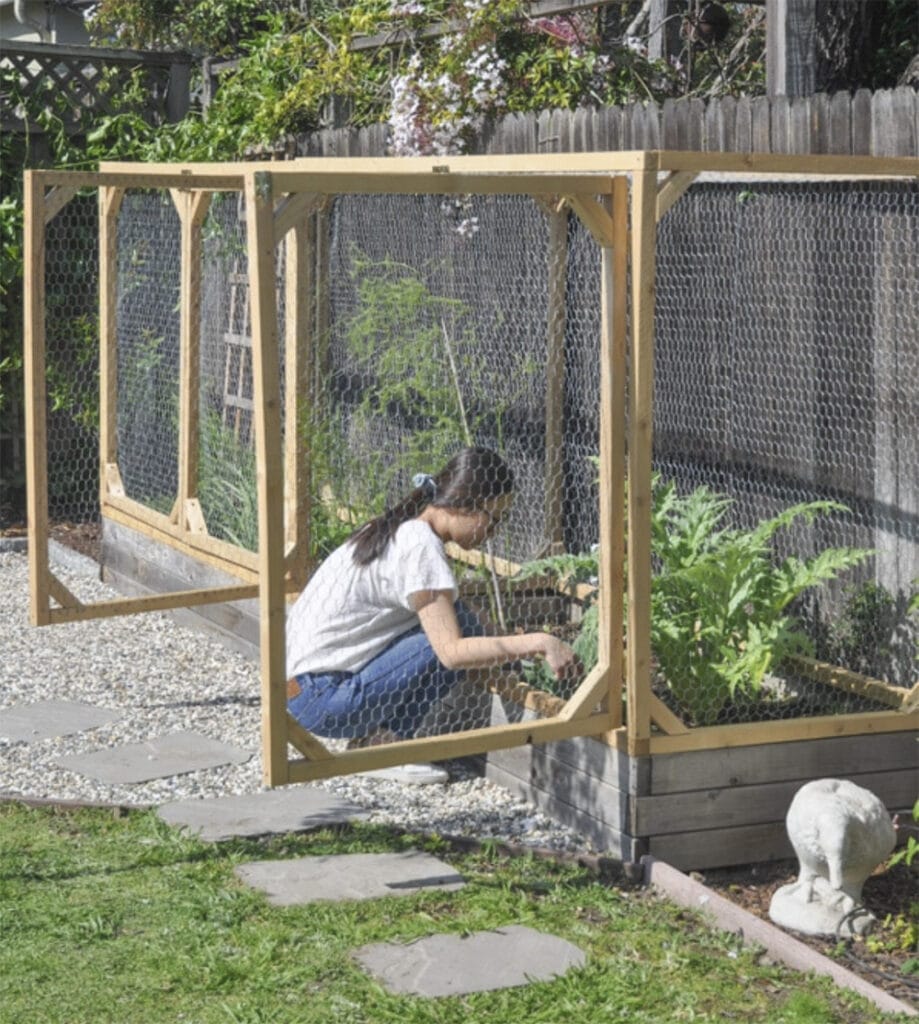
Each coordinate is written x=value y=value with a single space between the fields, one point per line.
x=348 y=613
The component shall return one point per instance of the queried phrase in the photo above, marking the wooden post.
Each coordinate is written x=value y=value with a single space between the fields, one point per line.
x=267 y=401
x=298 y=360
x=643 y=211
x=555 y=380
x=35 y=395
x=192 y=208
x=612 y=447
x=791 y=35
x=110 y=200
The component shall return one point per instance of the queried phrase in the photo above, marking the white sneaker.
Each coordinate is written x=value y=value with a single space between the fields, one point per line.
x=409 y=774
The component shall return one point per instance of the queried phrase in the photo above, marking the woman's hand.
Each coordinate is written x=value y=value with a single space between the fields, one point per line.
x=561 y=658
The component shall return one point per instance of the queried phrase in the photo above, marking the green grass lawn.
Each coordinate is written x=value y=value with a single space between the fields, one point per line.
x=107 y=919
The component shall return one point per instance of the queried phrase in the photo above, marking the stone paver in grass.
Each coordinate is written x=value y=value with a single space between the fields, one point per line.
x=293 y=809
x=48 y=718
x=156 y=758
x=453 y=965
x=349 y=876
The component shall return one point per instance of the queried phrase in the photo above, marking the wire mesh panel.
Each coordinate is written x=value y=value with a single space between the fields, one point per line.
x=785 y=445
x=147 y=328
x=72 y=365
x=448 y=331
x=226 y=485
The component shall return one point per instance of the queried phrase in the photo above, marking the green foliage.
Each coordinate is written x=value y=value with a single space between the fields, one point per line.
x=204 y=27
x=719 y=601
x=417 y=358
x=227 y=484
x=720 y=617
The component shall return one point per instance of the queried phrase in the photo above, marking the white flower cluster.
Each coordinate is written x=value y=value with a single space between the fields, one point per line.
x=414 y=130
x=486 y=70
x=407 y=9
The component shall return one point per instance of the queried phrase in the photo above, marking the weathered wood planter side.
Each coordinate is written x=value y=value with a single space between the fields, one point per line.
x=700 y=808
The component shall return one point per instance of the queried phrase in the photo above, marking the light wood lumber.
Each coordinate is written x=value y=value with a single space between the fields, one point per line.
x=640 y=441
x=305 y=742
x=57 y=199
x=62 y=594
x=192 y=208
x=438 y=748
x=152 y=603
x=211 y=550
x=673 y=187
x=356 y=179
x=717 y=737
x=583 y=702
x=595 y=217
x=113 y=485
x=293 y=210
x=193 y=517
x=222 y=178
x=849 y=681
x=782 y=163
x=665 y=719
x=266 y=395
x=545 y=164
x=35 y=395
x=110 y=200
x=298 y=285
x=614 y=344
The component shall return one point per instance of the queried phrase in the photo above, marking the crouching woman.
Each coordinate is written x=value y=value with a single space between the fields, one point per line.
x=378 y=635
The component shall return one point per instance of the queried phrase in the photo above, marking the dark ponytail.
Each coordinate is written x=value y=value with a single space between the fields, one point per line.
x=471 y=478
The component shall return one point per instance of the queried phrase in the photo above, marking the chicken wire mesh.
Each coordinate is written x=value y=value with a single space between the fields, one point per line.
x=72 y=364
x=444 y=318
x=785 y=374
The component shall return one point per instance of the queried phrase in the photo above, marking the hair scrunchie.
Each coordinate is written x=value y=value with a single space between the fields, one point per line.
x=425 y=481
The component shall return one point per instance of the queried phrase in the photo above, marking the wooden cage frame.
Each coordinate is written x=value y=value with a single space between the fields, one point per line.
x=619 y=197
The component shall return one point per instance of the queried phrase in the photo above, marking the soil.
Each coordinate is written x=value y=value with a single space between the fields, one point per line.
x=85 y=538
x=888 y=958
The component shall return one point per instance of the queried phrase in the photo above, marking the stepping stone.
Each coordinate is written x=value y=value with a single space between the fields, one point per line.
x=158 y=758
x=349 y=876
x=455 y=965
x=259 y=814
x=47 y=718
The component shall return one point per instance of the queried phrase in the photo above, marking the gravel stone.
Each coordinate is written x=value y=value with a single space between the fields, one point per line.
x=168 y=678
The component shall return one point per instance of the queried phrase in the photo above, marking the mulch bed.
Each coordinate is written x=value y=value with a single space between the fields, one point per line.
x=85 y=538
x=888 y=958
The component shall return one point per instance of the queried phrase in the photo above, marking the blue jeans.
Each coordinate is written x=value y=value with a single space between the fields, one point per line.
x=394 y=690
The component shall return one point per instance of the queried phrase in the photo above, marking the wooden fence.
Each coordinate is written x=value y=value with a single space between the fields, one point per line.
x=882 y=123
x=93 y=78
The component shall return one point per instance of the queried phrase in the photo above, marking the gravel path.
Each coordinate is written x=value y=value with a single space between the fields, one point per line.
x=167 y=679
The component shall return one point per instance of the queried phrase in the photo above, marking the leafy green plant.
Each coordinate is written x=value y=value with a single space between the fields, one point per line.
x=419 y=363
x=719 y=598
x=720 y=602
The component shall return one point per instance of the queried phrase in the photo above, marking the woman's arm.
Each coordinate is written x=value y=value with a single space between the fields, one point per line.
x=438 y=620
